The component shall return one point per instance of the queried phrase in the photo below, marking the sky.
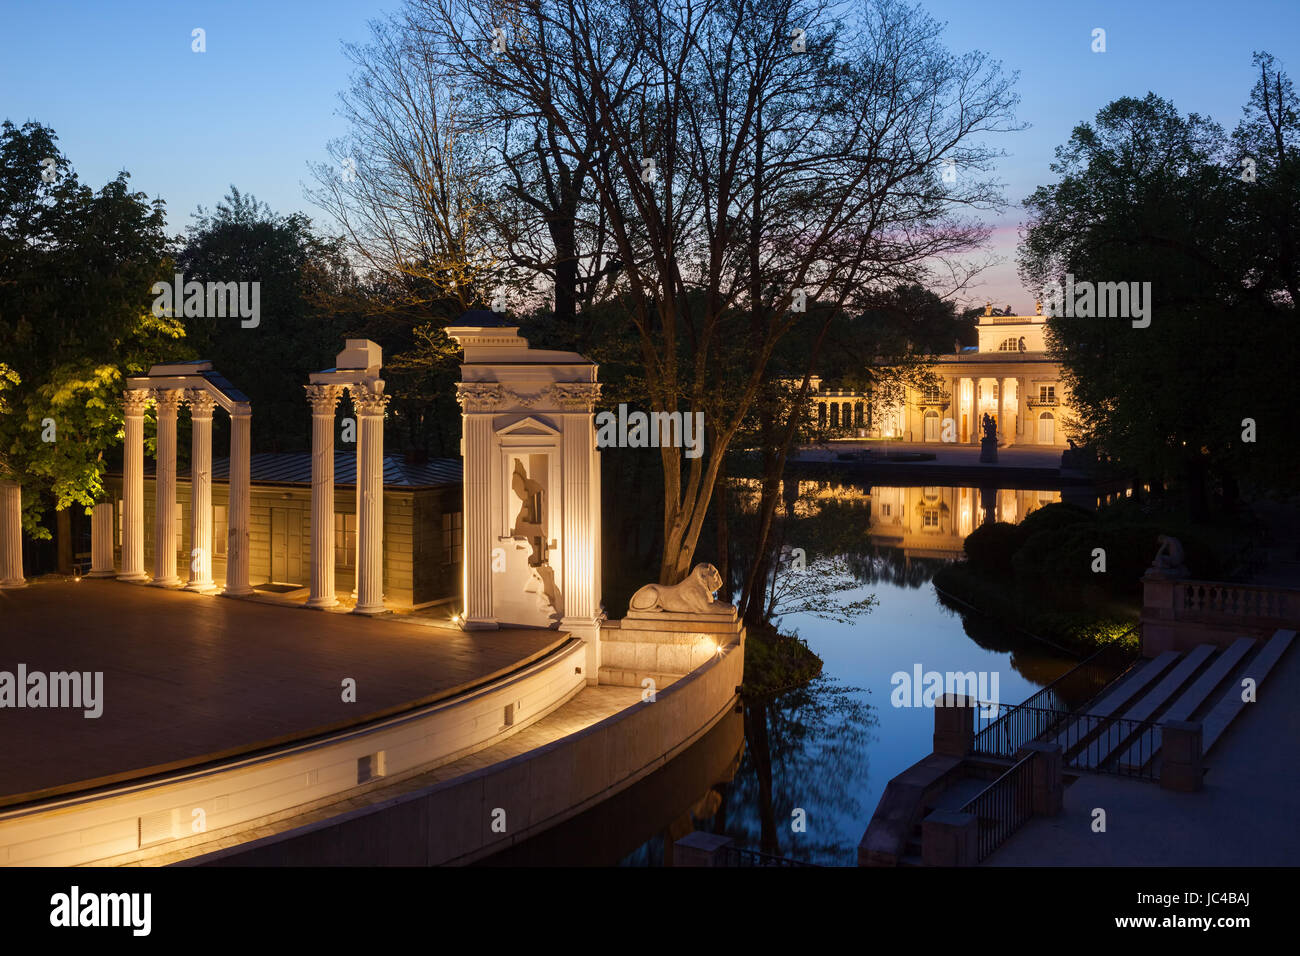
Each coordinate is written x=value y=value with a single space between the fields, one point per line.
x=121 y=86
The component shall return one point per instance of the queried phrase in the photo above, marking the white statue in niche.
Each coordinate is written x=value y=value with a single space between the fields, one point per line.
x=695 y=594
x=530 y=522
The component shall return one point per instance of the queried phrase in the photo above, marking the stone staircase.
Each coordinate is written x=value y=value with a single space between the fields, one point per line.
x=1120 y=732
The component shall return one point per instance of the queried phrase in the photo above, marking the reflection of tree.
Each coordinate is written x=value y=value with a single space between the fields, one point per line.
x=879 y=563
x=805 y=749
x=1035 y=660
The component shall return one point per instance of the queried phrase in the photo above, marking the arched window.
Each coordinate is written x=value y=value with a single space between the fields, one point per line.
x=931 y=425
x=1046 y=428
x=1011 y=345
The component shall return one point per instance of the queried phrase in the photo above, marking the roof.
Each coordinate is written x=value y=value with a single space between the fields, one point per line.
x=294 y=468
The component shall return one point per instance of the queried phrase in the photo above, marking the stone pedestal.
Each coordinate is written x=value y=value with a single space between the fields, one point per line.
x=700 y=849
x=1048 y=770
x=950 y=839
x=954 y=725
x=664 y=645
x=988 y=451
x=1182 y=762
x=101 y=541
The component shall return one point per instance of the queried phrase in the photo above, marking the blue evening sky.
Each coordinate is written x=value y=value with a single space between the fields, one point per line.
x=118 y=82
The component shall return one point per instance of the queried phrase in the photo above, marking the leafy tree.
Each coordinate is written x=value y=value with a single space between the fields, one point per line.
x=76 y=267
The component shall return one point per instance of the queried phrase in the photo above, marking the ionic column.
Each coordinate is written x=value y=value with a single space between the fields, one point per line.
x=237 y=550
x=323 y=400
x=134 y=403
x=201 y=405
x=1022 y=399
x=370 y=404
x=166 y=401
x=11 y=535
x=101 y=541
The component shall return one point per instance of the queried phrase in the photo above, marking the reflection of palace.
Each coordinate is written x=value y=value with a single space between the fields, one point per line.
x=1007 y=375
x=933 y=522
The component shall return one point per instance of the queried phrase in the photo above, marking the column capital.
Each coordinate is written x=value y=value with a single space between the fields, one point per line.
x=168 y=399
x=201 y=402
x=481 y=396
x=323 y=398
x=577 y=396
x=368 y=401
x=136 y=400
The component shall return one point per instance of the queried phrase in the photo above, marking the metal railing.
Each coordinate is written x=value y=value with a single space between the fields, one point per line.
x=1003 y=806
x=732 y=855
x=1001 y=730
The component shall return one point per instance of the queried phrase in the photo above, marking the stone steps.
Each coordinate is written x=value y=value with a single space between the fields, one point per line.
x=1231 y=704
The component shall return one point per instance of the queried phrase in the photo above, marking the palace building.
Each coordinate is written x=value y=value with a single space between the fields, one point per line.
x=1008 y=375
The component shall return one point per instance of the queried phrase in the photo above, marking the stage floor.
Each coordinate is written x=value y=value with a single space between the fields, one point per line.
x=190 y=678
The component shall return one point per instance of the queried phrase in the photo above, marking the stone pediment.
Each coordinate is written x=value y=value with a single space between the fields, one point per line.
x=528 y=427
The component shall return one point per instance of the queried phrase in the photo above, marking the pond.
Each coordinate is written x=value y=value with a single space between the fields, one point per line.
x=815 y=761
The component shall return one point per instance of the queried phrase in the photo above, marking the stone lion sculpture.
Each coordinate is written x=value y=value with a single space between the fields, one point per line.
x=1170 y=556
x=693 y=594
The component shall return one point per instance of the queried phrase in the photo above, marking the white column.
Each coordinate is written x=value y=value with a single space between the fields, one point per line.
x=101 y=541
x=166 y=401
x=134 y=402
x=1022 y=399
x=323 y=400
x=997 y=408
x=237 y=550
x=580 y=544
x=11 y=535
x=201 y=405
x=477 y=455
x=370 y=522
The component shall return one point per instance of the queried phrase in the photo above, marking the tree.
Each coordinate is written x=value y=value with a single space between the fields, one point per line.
x=76 y=268
x=740 y=176
x=1147 y=195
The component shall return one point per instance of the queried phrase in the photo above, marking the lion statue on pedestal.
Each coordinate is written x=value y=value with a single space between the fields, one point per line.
x=695 y=594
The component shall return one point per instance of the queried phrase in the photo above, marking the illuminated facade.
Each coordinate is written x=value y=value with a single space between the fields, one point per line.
x=1008 y=375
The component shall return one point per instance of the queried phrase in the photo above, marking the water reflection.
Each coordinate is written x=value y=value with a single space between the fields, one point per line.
x=827 y=749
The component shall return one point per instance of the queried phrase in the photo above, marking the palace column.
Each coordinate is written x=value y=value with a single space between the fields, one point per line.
x=101 y=541
x=166 y=401
x=953 y=413
x=134 y=402
x=1022 y=399
x=323 y=400
x=237 y=550
x=997 y=407
x=201 y=405
x=11 y=535
x=478 y=401
x=370 y=401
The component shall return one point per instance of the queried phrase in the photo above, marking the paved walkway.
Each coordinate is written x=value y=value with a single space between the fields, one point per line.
x=1010 y=456
x=190 y=678
x=1244 y=816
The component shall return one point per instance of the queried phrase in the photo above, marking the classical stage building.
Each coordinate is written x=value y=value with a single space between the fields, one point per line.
x=1008 y=375
x=422 y=525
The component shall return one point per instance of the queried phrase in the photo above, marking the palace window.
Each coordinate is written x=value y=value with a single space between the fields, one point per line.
x=930 y=518
x=1047 y=393
x=453 y=540
x=345 y=540
x=220 y=530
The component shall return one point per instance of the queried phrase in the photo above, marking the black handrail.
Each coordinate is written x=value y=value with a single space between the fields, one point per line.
x=1002 y=807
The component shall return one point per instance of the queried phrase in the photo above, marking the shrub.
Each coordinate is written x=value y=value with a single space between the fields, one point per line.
x=1059 y=514
x=990 y=547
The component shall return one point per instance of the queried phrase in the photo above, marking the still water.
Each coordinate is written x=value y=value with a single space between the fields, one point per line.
x=799 y=775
